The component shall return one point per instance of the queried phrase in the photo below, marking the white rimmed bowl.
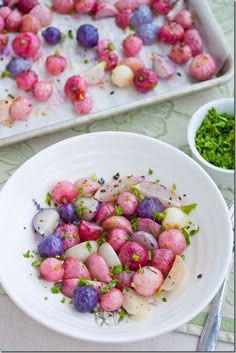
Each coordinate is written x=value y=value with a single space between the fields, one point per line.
x=222 y=177
x=107 y=153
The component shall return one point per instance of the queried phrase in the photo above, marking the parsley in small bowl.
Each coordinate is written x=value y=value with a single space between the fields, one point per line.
x=211 y=138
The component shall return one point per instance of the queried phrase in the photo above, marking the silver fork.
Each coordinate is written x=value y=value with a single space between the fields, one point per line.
x=210 y=332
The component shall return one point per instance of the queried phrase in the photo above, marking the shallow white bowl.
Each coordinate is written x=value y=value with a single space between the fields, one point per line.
x=107 y=153
x=222 y=177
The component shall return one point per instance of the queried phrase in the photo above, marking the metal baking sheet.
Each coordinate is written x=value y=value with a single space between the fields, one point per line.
x=58 y=113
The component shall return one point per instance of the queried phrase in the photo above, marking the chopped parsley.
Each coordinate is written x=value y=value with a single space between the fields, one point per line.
x=214 y=139
x=55 y=289
x=110 y=285
x=117 y=269
x=150 y=171
x=36 y=263
x=158 y=216
x=48 y=199
x=188 y=208
x=134 y=224
x=63 y=300
x=103 y=238
x=89 y=246
x=118 y=210
x=187 y=232
x=122 y=314
x=45 y=298
x=84 y=282
x=136 y=192
x=164 y=300
x=27 y=254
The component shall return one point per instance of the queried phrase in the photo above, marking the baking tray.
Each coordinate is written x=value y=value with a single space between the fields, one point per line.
x=58 y=113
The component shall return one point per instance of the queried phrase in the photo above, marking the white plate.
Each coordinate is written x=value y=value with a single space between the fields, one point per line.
x=107 y=153
x=58 y=113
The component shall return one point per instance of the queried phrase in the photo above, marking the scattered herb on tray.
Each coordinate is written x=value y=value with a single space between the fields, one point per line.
x=215 y=139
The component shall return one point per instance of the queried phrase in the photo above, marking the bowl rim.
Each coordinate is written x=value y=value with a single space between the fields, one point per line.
x=112 y=338
x=198 y=116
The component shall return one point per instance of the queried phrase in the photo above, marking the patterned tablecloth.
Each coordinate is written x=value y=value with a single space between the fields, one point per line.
x=166 y=121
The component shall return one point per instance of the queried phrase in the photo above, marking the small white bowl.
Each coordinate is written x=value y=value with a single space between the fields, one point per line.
x=222 y=177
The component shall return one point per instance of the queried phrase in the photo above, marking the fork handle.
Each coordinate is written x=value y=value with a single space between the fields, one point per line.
x=210 y=332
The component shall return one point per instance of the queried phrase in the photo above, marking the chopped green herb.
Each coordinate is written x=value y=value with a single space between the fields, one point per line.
x=188 y=208
x=134 y=224
x=164 y=300
x=150 y=171
x=158 y=216
x=183 y=256
x=118 y=210
x=55 y=289
x=70 y=34
x=117 y=269
x=136 y=192
x=27 y=254
x=173 y=188
x=126 y=268
x=194 y=231
x=122 y=314
x=110 y=285
x=36 y=263
x=86 y=61
x=48 y=199
x=89 y=246
x=157 y=181
x=162 y=229
x=214 y=139
x=84 y=282
x=81 y=193
x=63 y=300
x=80 y=210
x=187 y=236
x=45 y=298
x=103 y=238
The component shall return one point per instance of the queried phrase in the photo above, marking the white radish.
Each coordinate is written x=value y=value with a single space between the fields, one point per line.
x=166 y=196
x=109 y=255
x=46 y=221
x=174 y=218
x=122 y=76
x=96 y=74
x=134 y=303
x=83 y=250
x=176 y=275
x=110 y=191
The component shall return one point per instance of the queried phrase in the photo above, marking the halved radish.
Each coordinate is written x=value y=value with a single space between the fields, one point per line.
x=166 y=196
x=83 y=250
x=96 y=74
x=110 y=191
x=109 y=255
x=176 y=275
x=134 y=303
x=105 y=9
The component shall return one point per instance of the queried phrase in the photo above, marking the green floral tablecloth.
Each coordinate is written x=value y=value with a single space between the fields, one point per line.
x=166 y=121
